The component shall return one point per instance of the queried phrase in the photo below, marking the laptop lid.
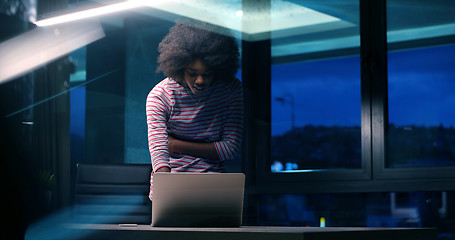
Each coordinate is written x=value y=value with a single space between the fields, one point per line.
x=197 y=199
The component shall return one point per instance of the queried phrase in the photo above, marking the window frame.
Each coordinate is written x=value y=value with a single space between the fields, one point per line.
x=373 y=176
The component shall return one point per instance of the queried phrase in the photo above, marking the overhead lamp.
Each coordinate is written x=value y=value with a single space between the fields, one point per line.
x=94 y=12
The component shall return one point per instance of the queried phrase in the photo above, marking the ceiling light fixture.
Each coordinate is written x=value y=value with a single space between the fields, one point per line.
x=93 y=12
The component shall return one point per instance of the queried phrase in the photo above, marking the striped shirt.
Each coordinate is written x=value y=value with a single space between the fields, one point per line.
x=215 y=116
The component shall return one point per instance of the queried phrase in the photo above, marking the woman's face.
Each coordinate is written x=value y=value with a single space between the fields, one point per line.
x=198 y=77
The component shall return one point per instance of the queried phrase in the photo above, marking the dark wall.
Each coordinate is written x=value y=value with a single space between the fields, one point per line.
x=105 y=98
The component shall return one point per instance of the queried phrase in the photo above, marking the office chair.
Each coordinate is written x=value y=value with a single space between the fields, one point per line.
x=112 y=194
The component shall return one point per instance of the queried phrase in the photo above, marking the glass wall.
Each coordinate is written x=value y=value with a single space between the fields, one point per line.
x=315 y=96
x=113 y=77
x=421 y=84
x=375 y=209
x=77 y=104
x=316 y=115
x=316 y=126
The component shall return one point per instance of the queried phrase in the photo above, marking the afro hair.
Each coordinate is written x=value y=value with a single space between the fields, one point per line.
x=189 y=40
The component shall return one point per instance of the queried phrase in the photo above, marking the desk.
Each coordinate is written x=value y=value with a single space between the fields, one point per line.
x=139 y=232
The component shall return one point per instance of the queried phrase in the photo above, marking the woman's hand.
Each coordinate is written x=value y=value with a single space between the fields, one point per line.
x=163 y=169
x=172 y=144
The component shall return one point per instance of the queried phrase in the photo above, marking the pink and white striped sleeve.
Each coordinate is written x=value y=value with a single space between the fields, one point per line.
x=157 y=110
x=231 y=138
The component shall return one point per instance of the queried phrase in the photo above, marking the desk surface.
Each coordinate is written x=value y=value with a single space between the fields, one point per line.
x=114 y=231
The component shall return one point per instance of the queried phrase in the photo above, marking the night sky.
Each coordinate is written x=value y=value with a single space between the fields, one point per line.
x=327 y=92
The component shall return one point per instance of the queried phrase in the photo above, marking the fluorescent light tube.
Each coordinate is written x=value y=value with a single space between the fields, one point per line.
x=93 y=12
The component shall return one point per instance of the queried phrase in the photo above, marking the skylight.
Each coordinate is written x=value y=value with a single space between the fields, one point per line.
x=255 y=22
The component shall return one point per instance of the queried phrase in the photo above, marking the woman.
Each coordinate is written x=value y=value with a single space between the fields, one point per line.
x=195 y=115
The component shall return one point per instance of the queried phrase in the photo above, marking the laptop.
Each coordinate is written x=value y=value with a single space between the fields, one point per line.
x=197 y=199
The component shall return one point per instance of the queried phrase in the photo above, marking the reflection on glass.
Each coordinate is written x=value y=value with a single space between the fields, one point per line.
x=316 y=115
x=375 y=209
x=77 y=105
x=421 y=99
x=316 y=92
x=421 y=92
x=79 y=59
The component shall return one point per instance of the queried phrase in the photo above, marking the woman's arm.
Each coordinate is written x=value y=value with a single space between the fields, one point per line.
x=198 y=149
x=157 y=110
x=231 y=139
x=229 y=144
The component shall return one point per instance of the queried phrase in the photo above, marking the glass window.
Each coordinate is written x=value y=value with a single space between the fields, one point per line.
x=375 y=209
x=316 y=121
x=119 y=70
x=421 y=92
x=315 y=107
x=77 y=105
